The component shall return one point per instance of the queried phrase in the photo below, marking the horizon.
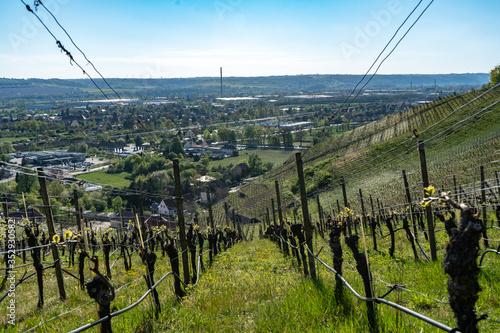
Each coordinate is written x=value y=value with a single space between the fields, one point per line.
x=179 y=39
x=234 y=76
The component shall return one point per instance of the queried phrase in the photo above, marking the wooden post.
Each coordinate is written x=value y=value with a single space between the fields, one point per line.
x=209 y=206
x=77 y=210
x=362 y=207
x=180 y=216
x=268 y=218
x=274 y=211
x=305 y=215
x=483 y=196
x=52 y=232
x=498 y=183
x=373 y=225
x=280 y=216
x=428 y=208
x=225 y=212
x=408 y=201
x=483 y=206
x=455 y=188
x=320 y=216
x=346 y=204
x=141 y=212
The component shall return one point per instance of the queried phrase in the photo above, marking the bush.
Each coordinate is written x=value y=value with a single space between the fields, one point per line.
x=323 y=179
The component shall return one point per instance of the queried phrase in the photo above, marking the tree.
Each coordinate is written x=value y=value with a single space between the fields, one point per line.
x=287 y=137
x=33 y=147
x=26 y=182
x=274 y=140
x=6 y=147
x=93 y=151
x=255 y=165
x=176 y=146
x=495 y=75
x=299 y=135
x=207 y=135
x=226 y=134
x=117 y=203
x=250 y=134
x=138 y=141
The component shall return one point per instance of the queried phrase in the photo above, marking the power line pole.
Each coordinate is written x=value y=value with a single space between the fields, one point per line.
x=221 y=83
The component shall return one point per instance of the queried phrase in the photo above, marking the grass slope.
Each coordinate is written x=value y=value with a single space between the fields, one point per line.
x=253 y=287
x=460 y=132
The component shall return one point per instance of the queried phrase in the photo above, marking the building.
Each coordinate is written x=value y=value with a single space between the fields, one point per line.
x=229 y=150
x=168 y=207
x=42 y=158
x=218 y=190
x=240 y=171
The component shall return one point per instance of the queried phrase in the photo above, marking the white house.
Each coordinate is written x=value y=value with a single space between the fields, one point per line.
x=167 y=207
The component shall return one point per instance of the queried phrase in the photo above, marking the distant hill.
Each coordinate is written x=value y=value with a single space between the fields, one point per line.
x=232 y=85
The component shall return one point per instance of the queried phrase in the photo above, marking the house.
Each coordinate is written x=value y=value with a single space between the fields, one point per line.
x=190 y=134
x=194 y=148
x=168 y=207
x=240 y=171
x=229 y=149
x=218 y=190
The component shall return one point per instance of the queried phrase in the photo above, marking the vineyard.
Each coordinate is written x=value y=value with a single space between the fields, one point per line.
x=393 y=227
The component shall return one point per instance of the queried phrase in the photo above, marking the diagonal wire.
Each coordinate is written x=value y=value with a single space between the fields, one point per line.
x=374 y=62
x=74 y=44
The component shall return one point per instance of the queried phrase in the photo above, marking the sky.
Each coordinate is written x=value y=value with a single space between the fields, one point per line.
x=193 y=38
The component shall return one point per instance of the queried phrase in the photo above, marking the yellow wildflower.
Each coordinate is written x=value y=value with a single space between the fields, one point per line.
x=429 y=190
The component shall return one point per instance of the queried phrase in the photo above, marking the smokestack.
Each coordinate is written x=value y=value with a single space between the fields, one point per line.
x=221 y=82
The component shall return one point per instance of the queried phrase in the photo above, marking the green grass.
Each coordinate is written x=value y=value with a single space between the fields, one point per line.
x=101 y=177
x=275 y=156
x=253 y=287
x=10 y=139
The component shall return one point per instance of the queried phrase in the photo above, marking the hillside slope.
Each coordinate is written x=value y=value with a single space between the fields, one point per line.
x=460 y=132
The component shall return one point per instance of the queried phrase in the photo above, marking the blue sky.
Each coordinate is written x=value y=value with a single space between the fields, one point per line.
x=187 y=38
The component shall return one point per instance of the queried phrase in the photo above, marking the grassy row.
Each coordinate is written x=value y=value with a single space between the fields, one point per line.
x=252 y=287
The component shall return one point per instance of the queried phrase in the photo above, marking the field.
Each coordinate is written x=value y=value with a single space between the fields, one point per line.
x=101 y=177
x=10 y=139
